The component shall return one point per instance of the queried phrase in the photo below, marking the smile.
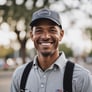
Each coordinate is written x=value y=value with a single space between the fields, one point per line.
x=45 y=44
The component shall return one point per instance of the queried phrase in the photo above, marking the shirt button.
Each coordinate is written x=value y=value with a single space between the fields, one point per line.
x=44 y=76
x=35 y=67
x=42 y=85
x=55 y=69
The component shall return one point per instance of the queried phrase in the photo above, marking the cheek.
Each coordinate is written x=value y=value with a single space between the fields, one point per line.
x=35 y=41
x=35 y=45
x=34 y=38
x=56 y=41
x=57 y=37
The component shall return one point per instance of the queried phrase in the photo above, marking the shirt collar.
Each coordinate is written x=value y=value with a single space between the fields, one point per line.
x=60 y=62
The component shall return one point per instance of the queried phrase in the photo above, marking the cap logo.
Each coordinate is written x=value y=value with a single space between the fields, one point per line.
x=44 y=13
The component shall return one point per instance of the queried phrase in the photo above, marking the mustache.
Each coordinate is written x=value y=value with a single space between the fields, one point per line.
x=47 y=40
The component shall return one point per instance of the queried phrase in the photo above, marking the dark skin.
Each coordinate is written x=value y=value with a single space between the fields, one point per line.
x=46 y=36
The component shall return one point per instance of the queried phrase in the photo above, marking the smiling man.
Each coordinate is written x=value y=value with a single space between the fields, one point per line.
x=47 y=72
x=46 y=36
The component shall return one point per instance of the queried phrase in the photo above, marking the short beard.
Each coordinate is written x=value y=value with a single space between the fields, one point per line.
x=46 y=54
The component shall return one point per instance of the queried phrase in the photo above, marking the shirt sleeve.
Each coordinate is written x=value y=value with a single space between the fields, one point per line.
x=82 y=81
x=14 y=83
x=88 y=83
x=16 y=79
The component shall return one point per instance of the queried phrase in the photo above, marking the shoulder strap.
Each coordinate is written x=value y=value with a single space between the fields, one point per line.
x=67 y=81
x=67 y=76
x=25 y=76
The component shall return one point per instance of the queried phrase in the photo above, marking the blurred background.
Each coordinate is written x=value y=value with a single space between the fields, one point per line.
x=16 y=47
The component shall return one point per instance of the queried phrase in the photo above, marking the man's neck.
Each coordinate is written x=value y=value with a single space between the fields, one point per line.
x=46 y=62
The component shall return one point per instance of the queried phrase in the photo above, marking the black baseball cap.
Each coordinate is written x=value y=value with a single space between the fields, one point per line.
x=46 y=14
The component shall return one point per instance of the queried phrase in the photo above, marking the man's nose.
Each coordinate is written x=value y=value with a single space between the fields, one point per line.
x=45 y=35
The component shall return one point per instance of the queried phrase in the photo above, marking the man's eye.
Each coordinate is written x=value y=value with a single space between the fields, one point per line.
x=38 y=31
x=52 y=30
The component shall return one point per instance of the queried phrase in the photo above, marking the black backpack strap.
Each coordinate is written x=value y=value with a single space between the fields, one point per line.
x=68 y=74
x=25 y=76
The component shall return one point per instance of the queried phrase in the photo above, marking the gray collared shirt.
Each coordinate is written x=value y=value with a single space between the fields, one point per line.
x=51 y=80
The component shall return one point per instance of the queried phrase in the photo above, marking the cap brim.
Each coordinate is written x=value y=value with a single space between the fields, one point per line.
x=34 y=22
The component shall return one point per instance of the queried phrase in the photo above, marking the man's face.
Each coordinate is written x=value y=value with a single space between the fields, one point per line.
x=46 y=36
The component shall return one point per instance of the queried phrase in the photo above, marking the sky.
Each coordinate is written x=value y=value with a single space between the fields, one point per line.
x=73 y=37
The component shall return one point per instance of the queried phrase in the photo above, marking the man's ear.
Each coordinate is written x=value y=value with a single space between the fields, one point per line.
x=61 y=34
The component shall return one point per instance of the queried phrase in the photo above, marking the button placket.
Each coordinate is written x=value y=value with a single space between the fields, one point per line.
x=43 y=83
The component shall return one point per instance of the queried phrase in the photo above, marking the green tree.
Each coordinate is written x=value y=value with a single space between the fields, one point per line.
x=12 y=12
x=88 y=31
x=90 y=54
x=68 y=51
x=5 y=51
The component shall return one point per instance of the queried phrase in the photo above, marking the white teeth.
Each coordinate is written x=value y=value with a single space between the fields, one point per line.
x=45 y=43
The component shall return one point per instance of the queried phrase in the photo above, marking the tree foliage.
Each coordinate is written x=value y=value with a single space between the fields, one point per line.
x=89 y=32
x=67 y=50
x=90 y=54
x=12 y=13
x=5 y=51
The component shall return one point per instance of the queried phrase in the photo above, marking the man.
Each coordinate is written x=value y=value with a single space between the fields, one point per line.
x=46 y=74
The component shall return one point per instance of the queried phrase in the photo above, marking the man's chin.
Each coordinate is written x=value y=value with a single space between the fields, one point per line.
x=46 y=54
